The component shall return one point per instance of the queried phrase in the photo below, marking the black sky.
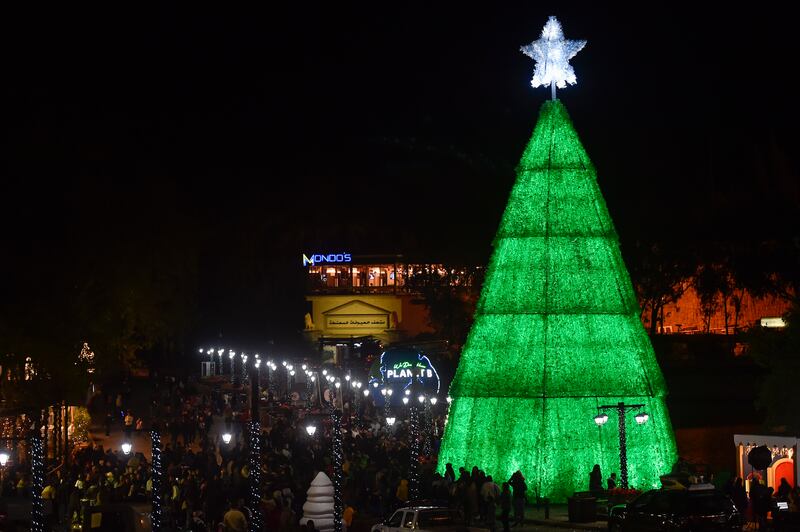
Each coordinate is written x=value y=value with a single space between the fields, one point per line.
x=385 y=127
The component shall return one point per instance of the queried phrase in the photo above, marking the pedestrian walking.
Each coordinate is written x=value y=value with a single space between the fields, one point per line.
x=128 y=425
x=517 y=482
x=505 y=506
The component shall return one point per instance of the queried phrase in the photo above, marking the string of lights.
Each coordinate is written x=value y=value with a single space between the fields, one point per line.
x=413 y=474
x=156 y=494
x=338 y=506
x=255 y=474
x=37 y=466
x=427 y=422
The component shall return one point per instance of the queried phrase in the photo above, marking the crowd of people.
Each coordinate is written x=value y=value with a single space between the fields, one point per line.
x=761 y=499
x=205 y=482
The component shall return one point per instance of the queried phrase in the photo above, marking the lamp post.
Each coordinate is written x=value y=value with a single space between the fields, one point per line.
x=601 y=418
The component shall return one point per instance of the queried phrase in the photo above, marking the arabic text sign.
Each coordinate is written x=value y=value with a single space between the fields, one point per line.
x=361 y=321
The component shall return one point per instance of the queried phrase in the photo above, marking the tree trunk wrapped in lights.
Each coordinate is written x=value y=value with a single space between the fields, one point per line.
x=156 y=476
x=37 y=467
x=255 y=474
x=255 y=449
x=338 y=503
x=556 y=334
x=413 y=472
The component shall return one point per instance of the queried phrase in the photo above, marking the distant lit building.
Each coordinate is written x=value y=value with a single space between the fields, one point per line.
x=686 y=316
x=356 y=297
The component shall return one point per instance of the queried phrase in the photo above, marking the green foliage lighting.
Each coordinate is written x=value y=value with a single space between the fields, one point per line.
x=556 y=334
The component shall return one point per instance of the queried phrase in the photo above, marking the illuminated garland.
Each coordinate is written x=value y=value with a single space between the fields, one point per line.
x=155 y=473
x=255 y=474
x=427 y=423
x=45 y=426
x=37 y=466
x=338 y=505
x=413 y=473
x=56 y=431
x=556 y=334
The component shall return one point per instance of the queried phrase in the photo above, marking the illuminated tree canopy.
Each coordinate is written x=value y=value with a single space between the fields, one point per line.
x=556 y=334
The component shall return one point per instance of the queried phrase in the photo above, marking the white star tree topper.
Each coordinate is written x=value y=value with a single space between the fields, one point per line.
x=552 y=54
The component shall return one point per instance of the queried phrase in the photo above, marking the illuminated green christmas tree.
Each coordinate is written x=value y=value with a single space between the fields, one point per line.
x=556 y=334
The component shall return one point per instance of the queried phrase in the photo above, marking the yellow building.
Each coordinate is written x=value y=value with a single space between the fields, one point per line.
x=355 y=297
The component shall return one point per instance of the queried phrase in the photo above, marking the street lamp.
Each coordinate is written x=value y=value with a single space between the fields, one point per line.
x=126 y=448
x=390 y=420
x=641 y=418
x=227 y=438
x=311 y=429
x=3 y=458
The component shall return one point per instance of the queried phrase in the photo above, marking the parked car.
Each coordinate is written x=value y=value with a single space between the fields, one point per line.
x=425 y=518
x=675 y=510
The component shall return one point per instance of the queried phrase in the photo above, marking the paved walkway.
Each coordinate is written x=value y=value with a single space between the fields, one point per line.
x=559 y=518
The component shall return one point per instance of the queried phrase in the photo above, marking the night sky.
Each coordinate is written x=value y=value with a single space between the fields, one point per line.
x=377 y=127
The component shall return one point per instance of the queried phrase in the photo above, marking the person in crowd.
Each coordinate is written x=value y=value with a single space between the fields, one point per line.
x=739 y=496
x=234 y=520
x=517 y=482
x=505 y=506
x=489 y=490
x=401 y=494
x=595 y=479
x=783 y=490
x=128 y=422
x=612 y=481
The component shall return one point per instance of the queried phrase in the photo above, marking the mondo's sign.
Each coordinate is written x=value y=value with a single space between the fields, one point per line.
x=329 y=258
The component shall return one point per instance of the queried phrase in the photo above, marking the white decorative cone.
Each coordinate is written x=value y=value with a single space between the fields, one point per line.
x=319 y=503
